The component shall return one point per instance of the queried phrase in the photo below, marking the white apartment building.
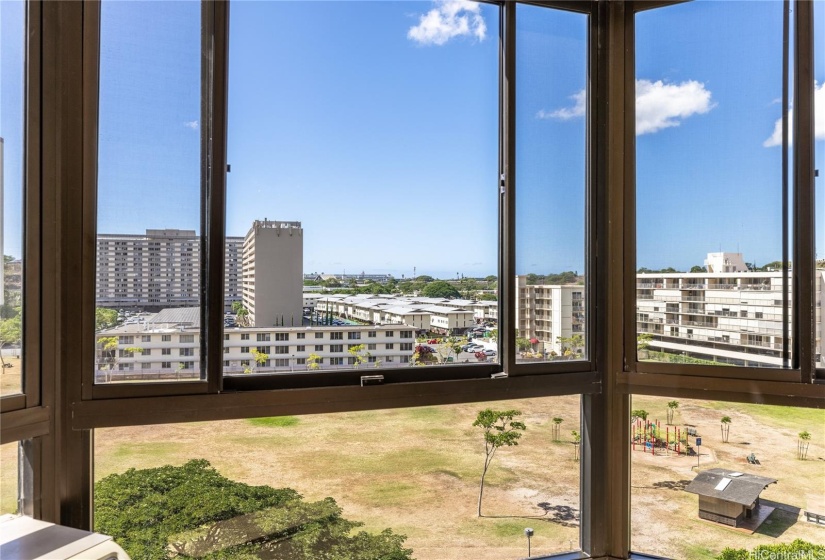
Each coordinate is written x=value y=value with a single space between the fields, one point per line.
x=546 y=312
x=158 y=269
x=272 y=282
x=424 y=314
x=728 y=317
x=169 y=347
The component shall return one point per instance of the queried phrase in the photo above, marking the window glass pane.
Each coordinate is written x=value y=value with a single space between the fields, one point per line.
x=423 y=485
x=758 y=480
x=8 y=478
x=149 y=185
x=12 y=106
x=819 y=164
x=363 y=144
x=709 y=185
x=551 y=125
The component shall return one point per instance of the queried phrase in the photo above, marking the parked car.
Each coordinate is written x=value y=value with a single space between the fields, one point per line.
x=489 y=352
x=432 y=341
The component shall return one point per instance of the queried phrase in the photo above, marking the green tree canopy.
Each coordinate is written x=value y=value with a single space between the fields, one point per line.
x=105 y=318
x=151 y=513
x=11 y=331
x=424 y=279
x=638 y=414
x=796 y=549
x=440 y=289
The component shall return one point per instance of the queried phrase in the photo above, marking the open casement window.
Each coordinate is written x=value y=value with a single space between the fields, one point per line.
x=819 y=179
x=722 y=187
x=20 y=339
x=324 y=175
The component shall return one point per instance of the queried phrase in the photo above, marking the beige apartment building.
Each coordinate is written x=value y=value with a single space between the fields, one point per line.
x=548 y=312
x=272 y=278
x=159 y=269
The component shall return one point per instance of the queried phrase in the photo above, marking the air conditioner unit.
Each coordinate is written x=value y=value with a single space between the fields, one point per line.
x=24 y=538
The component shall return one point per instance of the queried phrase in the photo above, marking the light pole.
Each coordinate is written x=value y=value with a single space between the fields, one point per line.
x=529 y=533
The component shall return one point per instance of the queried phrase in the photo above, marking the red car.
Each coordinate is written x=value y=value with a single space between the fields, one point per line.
x=432 y=341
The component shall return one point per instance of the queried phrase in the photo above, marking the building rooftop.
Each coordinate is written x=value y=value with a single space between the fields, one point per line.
x=730 y=486
x=186 y=316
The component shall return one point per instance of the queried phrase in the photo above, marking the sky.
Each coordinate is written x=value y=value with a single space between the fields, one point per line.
x=375 y=124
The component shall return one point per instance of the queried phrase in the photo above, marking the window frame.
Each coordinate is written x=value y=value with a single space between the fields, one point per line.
x=59 y=432
x=802 y=368
x=32 y=343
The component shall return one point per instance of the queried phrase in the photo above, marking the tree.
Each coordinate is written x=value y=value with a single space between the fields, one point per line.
x=638 y=414
x=491 y=278
x=572 y=346
x=802 y=445
x=11 y=332
x=725 y=428
x=357 y=352
x=241 y=313
x=500 y=430
x=448 y=347
x=697 y=268
x=105 y=318
x=260 y=357
x=671 y=409
x=643 y=341
x=523 y=344
x=577 y=439
x=488 y=297
x=151 y=514
x=440 y=289
x=557 y=427
x=424 y=279
x=106 y=353
x=796 y=549
x=313 y=362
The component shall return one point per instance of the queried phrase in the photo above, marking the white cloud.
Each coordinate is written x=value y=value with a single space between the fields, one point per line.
x=191 y=124
x=567 y=113
x=819 y=120
x=449 y=18
x=658 y=105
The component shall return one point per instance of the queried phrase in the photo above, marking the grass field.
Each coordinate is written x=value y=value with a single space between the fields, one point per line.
x=413 y=470
x=664 y=518
x=10 y=377
x=417 y=470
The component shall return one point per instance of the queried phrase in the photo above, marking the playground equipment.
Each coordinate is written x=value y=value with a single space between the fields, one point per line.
x=649 y=436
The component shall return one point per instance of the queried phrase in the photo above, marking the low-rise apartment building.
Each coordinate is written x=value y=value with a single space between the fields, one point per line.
x=164 y=347
x=423 y=314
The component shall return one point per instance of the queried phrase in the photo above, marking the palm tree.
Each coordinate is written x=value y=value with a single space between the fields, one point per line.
x=557 y=427
x=671 y=408
x=725 y=428
x=802 y=445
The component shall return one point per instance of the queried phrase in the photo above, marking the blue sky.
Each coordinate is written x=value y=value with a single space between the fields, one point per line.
x=375 y=125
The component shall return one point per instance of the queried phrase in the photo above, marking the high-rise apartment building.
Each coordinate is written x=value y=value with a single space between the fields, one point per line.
x=272 y=283
x=158 y=269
